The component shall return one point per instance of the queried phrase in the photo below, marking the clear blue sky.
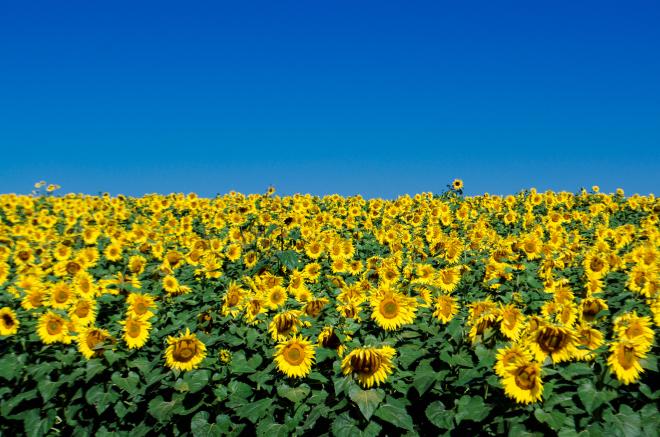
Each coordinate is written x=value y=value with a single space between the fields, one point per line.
x=372 y=97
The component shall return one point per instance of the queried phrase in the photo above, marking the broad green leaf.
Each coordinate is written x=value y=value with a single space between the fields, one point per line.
x=394 y=412
x=471 y=408
x=345 y=426
x=439 y=416
x=255 y=410
x=294 y=394
x=366 y=400
x=164 y=410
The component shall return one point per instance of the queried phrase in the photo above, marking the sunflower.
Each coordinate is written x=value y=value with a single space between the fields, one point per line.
x=590 y=307
x=314 y=306
x=445 y=308
x=512 y=322
x=294 y=357
x=136 y=331
x=328 y=339
x=369 y=365
x=556 y=341
x=624 y=360
x=284 y=324
x=225 y=356
x=511 y=355
x=447 y=279
x=523 y=382
x=8 y=321
x=91 y=341
x=232 y=300
x=184 y=352
x=277 y=295
x=61 y=296
x=140 y=305
x=588 y=340
x=53 y=328
x=632 y=327
x=457 y=184
x=83 y=312
x=391 y=310
x=113 y=251
x=171 y=284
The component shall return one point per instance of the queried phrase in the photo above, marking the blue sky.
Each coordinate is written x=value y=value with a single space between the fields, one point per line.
x=371 y=97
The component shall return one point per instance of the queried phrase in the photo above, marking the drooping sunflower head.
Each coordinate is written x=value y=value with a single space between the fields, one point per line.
x=446 y=308
x=92 y=341
x=313 y=307
x=329 y=339
x=624 y=360
x=591 y=306
x=523 y=382
x=294 y=357
x=8 y=321
x=587 y=340
x=511 y=356
x=391 y=310
x=184 y=352
x=369 y=365
x=555 y=341
x=284 y=324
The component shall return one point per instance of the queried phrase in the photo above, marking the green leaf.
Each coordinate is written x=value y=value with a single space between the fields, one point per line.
x=128 y=384
x=290 y=259
x=439 y=416
x=93 y=368
x=255 y=410
x=239 y=364
x=164 y=410
x=48 y=388
x=554 y=419
x=345 y=426
x=294 y=394
x=99 y=398
x=394 y=412
x=409 y=354
x=9 y=367
x=366 y=400
x=202 y=427
x=197 y=379
x=425 y=377
x=626 y=422
x=471 y=408
x=35 y=425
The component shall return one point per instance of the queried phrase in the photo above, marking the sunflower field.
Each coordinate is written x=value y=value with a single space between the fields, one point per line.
x=438 y=314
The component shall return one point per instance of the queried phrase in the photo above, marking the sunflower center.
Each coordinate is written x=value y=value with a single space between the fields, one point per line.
x=596 y=265
x=526 y=377
x=634 y=331
x=94 y=338
x=72 y=267
x=23 y=255
x=232 y=299
x=8 y=320
x=510 y=320
x=184 y=351
x=389 y=308
x=551 y=340
x=530 y=246
x=367 y=365
x=331 y=341
x=140 y=308
x=82 y=310
x=61 y=296
x=627 y=358
x=133 y=329
x=54 y=327
x=294 y=354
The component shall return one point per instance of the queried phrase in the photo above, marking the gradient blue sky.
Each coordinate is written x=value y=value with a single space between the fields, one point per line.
x=372 y=97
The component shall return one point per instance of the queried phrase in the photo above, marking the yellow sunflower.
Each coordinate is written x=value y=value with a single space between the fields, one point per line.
x=369 y=365
x=284 y=325
x=294 y=357
x=447 y=279
x=328 y=339
x=136 y=331
x=83 y=312
x=277 y=295
x=171 y=284
x=512 y=322
x=391 y=310
x=446 y=308
x=555 y=341
x=590 y=307
x=61 y=296
x=140 y=305
x=92 y=341
x=632 y=327
x=624 y=360
x=457 y=184
x=511 y=355
x=314 y=306
x=588 y=340
x=53 y=328
x=232 y=300
x=523 y=382
x=8 y=321
x=184 y=352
